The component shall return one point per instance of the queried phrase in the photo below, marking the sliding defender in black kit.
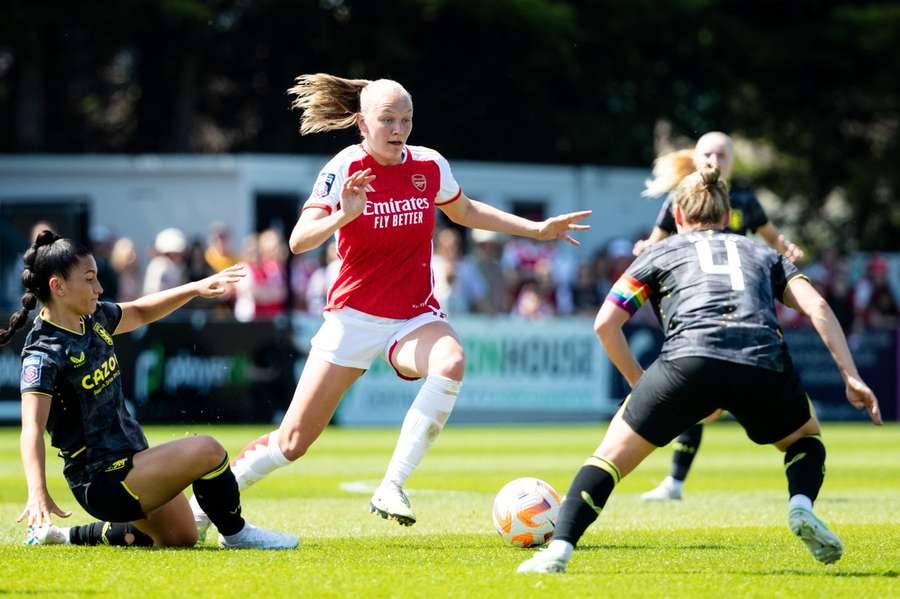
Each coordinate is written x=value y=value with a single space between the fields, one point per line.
x=71 y=387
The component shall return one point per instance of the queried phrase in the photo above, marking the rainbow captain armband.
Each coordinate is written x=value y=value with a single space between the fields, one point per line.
x=629 y=294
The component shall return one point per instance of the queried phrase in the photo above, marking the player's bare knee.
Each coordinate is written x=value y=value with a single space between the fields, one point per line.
x=182 y=537
x=810 y=429
x=293 y=444
x=450 y=362
x=210 y=450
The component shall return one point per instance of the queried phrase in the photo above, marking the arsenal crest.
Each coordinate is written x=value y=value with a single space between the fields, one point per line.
x=419 y=181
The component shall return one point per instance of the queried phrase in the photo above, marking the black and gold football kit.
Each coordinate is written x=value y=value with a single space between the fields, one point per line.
x=88 y=421
x=714 y=295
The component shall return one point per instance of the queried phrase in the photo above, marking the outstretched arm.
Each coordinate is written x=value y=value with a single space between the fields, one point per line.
x=802 y=296
x=478 y=215
x=151 y=308
x=608 y=326
x=40 y=506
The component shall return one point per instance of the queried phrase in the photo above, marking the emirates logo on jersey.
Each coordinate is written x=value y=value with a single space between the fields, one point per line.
x=419 y=181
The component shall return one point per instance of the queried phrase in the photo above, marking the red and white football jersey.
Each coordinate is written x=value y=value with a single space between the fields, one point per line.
x=385 y=252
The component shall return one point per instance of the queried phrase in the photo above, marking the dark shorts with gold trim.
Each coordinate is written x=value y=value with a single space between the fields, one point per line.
x=673 y=395
x=107 y=497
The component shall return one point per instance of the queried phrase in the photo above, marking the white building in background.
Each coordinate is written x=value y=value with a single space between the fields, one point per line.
x=137 y=196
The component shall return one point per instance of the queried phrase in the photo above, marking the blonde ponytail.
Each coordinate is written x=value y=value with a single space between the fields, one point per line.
x=703 y=196
x=327 y=102
x=668 y=171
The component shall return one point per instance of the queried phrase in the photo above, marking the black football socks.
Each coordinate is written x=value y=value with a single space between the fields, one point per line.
x=686 y=446
x=217 y=493
x=586 y=498
x=804 y=466
x=117 y=534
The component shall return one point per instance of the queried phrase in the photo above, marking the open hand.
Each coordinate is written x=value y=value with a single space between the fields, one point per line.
x=39 y=509
x=861 y=397
x=559 y=227
x=353 y=192
x=218 y=284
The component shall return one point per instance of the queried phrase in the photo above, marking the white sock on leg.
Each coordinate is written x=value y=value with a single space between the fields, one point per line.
x=801 y=501
x=563 y=549
x=421 y=426
x=674 y=483
x=258 y=460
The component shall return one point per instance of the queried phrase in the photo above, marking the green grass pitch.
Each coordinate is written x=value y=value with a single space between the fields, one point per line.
x=728 y=537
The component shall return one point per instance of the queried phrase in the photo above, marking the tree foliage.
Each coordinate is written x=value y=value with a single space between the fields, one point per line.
x=581 y=81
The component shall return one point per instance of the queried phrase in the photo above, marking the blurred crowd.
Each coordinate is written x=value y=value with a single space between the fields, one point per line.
x=475 y=272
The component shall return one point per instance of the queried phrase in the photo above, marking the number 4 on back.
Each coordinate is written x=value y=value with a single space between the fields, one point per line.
x=732 y=267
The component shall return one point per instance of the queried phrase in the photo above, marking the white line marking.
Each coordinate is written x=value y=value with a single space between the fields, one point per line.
x=366 y=487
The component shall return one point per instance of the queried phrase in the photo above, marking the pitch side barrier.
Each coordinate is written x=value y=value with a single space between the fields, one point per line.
x=190 y=369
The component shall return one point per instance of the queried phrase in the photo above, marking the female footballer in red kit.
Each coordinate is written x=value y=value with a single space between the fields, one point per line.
x=378 y=199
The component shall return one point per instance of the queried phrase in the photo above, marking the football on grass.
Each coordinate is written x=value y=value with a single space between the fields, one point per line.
x=525 y=512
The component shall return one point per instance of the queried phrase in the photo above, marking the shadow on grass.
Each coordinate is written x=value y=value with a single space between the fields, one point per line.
x=887 y=574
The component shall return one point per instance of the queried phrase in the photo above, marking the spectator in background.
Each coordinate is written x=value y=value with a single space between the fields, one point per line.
x=546 y=287
x=197 y=269
x=265 y=293
x=484 y=263
x=619 y=255
x=303 y=266
x=102 y=241
x=529 y=265
x=838 y=292
x=12 y=271
x=531 y=304
x=196 y=265
x=600 y=272
x=822 y=270
x=523 y=255
x=219 y=254
x=585 y=298
x=124 y=261
x=457 y=283
x=321 y=280
x=166 y=269
x=444 y=264
x=874 y=302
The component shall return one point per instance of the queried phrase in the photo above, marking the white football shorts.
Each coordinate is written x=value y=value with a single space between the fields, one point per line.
x=352 y=338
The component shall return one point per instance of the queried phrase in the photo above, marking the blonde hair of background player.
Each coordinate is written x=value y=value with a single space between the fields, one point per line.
x=670 y=169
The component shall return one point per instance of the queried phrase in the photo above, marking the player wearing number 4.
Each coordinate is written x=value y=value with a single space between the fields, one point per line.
x=714 y=294
x=378 y=199
x=747 y=216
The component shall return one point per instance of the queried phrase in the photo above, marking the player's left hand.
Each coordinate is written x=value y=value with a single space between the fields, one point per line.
x=861 y=397
x=558 y=227
x=40 y=508
x=218 y=284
